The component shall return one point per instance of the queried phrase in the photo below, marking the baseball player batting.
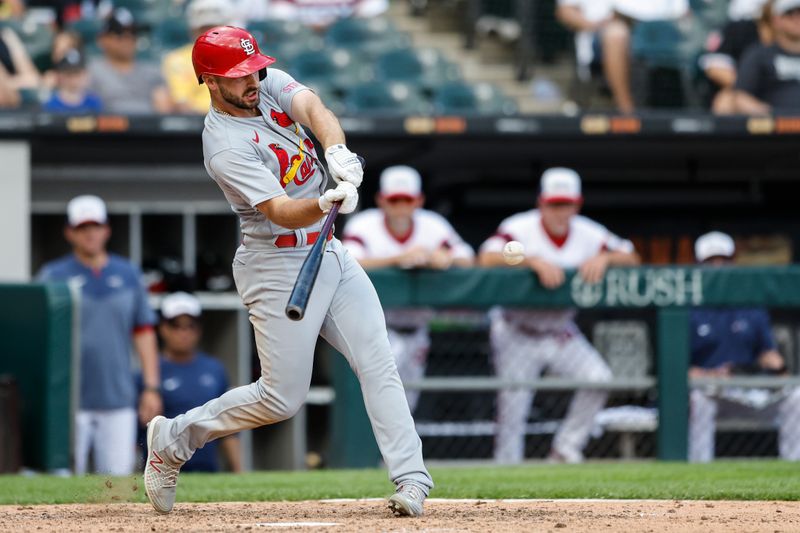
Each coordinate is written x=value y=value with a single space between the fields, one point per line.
x=256 y=149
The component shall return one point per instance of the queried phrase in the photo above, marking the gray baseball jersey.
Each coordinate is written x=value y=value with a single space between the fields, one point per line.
x=253 y=160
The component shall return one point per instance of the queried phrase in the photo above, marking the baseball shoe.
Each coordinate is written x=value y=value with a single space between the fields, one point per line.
x=160 y=477
x=564 y=456
x=408 y=500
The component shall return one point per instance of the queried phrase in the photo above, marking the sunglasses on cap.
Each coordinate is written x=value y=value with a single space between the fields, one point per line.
x=400 y=199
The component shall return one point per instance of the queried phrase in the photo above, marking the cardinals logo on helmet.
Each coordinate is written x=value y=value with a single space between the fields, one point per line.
x=247 y=46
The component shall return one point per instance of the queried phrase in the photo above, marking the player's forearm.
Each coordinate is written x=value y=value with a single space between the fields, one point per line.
x=572 y=18
x=379 y=262
x=145 y=344
x=491 y=259
x=321 y=120
x=290 y=213
x=463 y=262
x=722 y=76
x=750 y=105
x=623 y=259
x=326 y=128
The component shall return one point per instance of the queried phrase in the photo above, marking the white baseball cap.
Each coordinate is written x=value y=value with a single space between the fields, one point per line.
x=180 y=303
x=401 y=180
x=560 y=184
x=782 y=7
x=204 y=13
x=85 y=209
x=713 y=244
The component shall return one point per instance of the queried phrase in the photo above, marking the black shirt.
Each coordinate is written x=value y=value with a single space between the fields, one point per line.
x=737 y=36
x=772 y=75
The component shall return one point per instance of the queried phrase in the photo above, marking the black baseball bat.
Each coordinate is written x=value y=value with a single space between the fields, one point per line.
x=307 y=276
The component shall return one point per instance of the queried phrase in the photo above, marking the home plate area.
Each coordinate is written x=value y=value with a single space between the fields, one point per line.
x=440 y=516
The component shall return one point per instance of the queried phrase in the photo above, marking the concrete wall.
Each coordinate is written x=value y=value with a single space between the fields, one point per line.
x=15 y=216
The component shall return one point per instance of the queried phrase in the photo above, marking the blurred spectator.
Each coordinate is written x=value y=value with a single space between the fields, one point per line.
x=125 y=85
x=114 y=311
x=17 y=71
x=603 y=34
x=320 y=14
x=63 y=42
x=527 y=342
x=68 y=11
x=725 y=52
x=768 y=77
x=400 y=233
x=732 y=341
x=745 y=9
x=11 y=9
x=71 y=94
x=188 y=95
x=190 y=377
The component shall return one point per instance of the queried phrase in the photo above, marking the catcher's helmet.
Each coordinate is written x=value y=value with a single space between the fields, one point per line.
x=228 y=52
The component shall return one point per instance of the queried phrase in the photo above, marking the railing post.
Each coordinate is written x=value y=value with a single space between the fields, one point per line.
x=673 y=388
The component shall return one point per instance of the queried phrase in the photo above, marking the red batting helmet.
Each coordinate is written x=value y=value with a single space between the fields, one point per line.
x=228 y=52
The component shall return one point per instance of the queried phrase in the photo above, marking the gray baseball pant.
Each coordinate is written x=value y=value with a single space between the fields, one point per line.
x=344 y=309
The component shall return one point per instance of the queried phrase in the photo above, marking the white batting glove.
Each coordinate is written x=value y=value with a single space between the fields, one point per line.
x=344 y=165
x=344 y=192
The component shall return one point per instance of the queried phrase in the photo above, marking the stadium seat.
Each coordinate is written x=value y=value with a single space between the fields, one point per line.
x=366 y=36
x=146 y=12
x=712 y=13
x=477 y=98
x=37 y=39
x=384 y=98
x=87 y=29
x=425 y=67
x=328 y=96
x=335 y=68
x=171 y=33
x=661 y=45
x=284 y=40
x=29 y=99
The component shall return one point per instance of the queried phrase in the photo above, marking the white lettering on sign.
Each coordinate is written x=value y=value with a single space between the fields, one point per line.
x=640 y=288
x=247 y=46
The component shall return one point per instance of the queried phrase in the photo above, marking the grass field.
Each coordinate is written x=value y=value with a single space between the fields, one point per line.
x=730 y=480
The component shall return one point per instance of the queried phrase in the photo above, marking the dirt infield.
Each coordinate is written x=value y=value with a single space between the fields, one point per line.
x=441 y=516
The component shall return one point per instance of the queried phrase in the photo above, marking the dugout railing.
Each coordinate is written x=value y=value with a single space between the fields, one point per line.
x=668 y=291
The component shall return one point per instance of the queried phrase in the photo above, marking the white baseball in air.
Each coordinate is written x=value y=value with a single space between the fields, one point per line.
x=513 y=252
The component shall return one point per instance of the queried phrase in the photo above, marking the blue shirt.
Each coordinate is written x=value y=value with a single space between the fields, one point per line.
x=736 y=336
x=91 y=104
x=113 y=306
x=188 y=385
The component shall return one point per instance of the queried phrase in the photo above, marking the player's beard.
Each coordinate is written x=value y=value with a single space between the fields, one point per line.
x=238 y=101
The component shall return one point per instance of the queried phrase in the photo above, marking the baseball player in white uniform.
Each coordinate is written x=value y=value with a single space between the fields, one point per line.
x=256 y=149
x=526 y=342
x=400 y=233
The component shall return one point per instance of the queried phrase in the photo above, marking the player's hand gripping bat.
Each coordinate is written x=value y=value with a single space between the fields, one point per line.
x=298 y=300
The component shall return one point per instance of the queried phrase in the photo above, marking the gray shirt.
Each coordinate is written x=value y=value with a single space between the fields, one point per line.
x=255 y=159
x=127 y=93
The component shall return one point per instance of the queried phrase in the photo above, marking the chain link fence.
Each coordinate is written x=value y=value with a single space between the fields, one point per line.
x=484 y=388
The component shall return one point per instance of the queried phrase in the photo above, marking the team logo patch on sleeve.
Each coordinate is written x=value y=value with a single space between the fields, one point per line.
x=247 y=46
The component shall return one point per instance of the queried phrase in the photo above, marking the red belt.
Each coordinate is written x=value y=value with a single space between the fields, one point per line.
x=290 y=240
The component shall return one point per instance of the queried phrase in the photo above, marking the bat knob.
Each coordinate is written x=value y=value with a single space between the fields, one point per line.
x=295 y=312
